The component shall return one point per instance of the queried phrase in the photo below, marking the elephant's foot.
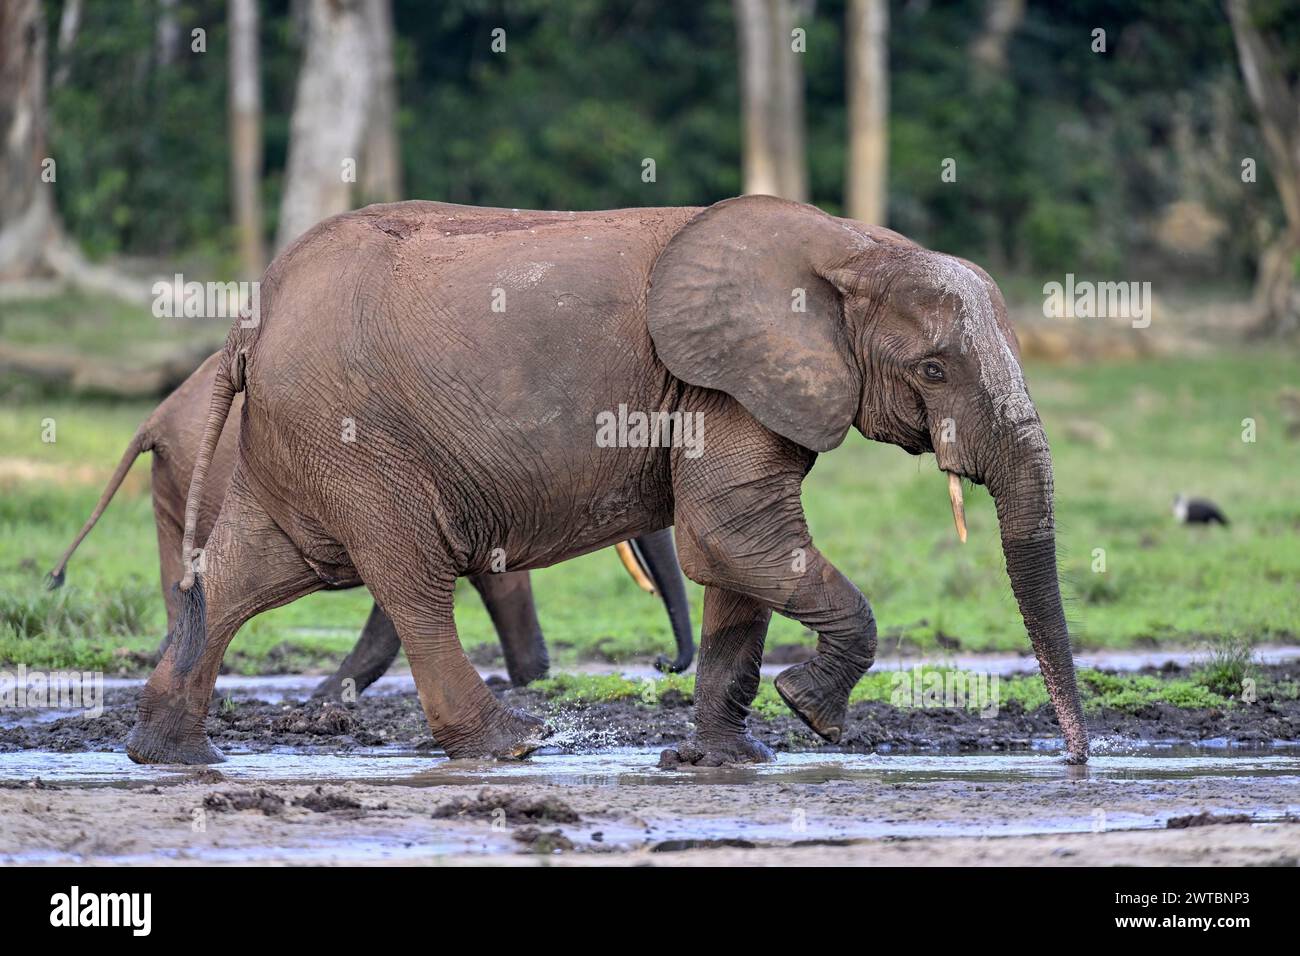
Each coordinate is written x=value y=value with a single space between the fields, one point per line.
x=521 y=675
x=342 y=687
x=822 y=708
x=667 y=665
x=168 y=733
x=711 y=751
x=512 y=734
x=331 y=688
x=148 y=744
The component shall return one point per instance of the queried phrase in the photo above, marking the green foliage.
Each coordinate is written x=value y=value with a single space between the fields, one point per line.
x=1063 y=163
x=142 y=149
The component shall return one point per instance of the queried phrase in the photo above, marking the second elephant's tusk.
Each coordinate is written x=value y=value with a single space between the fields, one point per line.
x=958 y=505
x=635 y=566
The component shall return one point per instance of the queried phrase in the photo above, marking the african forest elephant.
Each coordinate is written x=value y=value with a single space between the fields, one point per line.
x=542 y=384
x=173 y=433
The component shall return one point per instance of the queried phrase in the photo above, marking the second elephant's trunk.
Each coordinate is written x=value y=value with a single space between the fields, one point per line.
x=660 y=554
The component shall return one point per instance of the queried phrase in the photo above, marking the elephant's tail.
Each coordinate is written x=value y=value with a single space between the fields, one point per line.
x=142 y=441
x=229 y=380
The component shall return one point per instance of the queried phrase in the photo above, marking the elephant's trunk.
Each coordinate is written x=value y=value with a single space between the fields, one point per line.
x=660 y=554
x=1022 y=488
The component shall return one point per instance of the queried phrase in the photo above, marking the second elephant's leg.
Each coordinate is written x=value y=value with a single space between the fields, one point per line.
x=374 y=653
x=249 y=566
x=508 y=597
x=726 y=682
x=170 y=569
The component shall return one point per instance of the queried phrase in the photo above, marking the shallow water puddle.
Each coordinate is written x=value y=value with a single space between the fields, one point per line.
x=276 y=687
x=637 y=766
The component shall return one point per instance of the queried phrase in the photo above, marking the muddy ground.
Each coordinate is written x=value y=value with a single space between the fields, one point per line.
x=715 y=817
x=318 y=783
x=250 y=725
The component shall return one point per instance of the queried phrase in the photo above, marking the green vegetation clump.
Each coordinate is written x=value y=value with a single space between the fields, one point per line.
x=1231 y=663
x=604 y=688
x=1132 y=693
x=1127 y=692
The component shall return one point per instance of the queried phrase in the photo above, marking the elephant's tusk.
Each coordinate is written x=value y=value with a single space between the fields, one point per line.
x=635 y=566
x=958 y=505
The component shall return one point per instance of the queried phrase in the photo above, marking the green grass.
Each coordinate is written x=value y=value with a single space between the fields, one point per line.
x=1165 y=426
x=1100 y=691
x=103 y=328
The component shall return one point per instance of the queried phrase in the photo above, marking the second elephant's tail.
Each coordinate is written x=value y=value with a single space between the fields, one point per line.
x=141 y=442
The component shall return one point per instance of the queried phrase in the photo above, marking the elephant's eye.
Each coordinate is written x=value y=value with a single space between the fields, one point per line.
x=932 y=371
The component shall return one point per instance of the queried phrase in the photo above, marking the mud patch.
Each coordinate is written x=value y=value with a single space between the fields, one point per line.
x=543 y=841
x=318 y=719
x=321 y=800
x=509 y=808
x=677 y=846
x=236 y=801
x=1206 y=819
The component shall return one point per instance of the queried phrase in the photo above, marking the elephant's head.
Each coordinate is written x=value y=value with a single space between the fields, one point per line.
x=815 y=323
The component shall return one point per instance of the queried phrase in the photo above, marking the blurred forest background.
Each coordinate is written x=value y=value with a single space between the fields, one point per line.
x=1065 y=157
x=1155 y=141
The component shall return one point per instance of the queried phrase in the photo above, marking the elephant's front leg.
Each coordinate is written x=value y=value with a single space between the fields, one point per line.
x=741 y=527
x=827 y=603
x=726 y=682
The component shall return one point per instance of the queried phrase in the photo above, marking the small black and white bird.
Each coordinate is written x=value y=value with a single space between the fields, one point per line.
x=1197 y=511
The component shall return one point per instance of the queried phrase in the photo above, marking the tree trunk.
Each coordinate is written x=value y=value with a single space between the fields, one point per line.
x=246 y=136
x=1001 y=19
x=381 y=164
x=69 y=26
x=32 y=243
x=1277 y=106
x=169 y=33
x=329 y=113
x=866 y=195
x=26 y=202
x=772 y=95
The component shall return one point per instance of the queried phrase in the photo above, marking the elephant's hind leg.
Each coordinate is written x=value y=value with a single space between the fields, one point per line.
x=464 y=717
x=376 y=649
x=249 y=565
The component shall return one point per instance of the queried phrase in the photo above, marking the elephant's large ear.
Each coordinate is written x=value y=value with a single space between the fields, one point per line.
x=740 y=301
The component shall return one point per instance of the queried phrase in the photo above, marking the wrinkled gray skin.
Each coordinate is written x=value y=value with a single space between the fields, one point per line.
x=475 y=430
x=173 y=432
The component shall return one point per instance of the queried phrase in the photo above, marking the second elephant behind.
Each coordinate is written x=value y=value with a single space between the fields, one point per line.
x=172 y=433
